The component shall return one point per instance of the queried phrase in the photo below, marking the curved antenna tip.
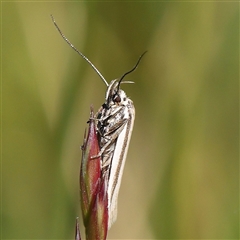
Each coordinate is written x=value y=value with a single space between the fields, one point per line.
x=136 y=65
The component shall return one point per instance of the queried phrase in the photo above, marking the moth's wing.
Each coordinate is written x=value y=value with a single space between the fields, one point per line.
x=109 y=145
x=118 y=162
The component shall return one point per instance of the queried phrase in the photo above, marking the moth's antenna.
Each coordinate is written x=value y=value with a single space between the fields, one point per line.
x=130 y=71
x=75 y=49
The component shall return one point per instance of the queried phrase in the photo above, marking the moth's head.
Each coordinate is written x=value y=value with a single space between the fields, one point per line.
x=120 y=97
x=114 y=95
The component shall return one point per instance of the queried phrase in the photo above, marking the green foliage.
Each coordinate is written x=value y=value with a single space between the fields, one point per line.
x=182 y=171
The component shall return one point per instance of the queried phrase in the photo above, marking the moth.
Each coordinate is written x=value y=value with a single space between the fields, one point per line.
x=115 y=120
x=114 y=124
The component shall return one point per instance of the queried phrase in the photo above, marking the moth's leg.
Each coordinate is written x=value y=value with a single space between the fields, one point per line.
x=112 y=114
x=112 y=137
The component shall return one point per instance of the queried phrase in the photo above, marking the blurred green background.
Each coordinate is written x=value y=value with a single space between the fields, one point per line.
x=181 y=179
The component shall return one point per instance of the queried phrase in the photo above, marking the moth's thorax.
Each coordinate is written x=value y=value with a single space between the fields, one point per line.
x=114 y=113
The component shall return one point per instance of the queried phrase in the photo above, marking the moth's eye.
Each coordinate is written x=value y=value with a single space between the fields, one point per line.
x=117 y=98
